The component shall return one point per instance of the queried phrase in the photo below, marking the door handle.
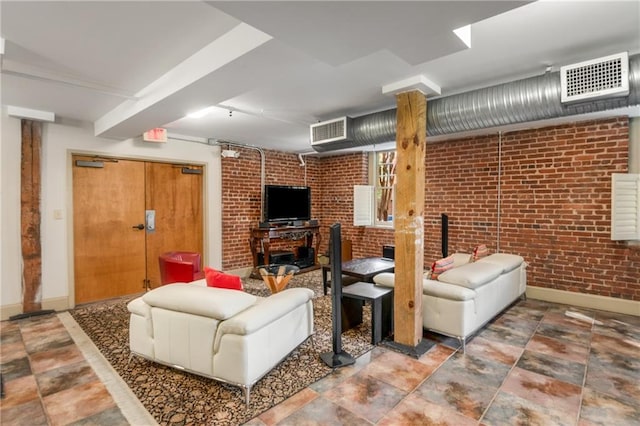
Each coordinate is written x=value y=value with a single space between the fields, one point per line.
x=139 y=226
x=150 y=218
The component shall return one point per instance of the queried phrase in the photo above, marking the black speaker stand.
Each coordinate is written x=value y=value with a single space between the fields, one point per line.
x=337 y=357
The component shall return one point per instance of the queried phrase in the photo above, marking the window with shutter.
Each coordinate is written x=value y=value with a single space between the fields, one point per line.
x=384 y=181
x=363 y=205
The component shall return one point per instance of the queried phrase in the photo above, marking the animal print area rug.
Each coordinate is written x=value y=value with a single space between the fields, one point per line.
x=174 y=397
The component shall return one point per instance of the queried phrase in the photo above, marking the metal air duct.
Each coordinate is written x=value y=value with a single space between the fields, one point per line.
x=527 y=100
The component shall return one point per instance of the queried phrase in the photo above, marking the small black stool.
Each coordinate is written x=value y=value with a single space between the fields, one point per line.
x=381 y=299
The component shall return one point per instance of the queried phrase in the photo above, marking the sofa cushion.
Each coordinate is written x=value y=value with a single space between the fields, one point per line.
x=472 y=275
x=219 y=279
x=210 y=302
x=509 y=262
x=460 y=259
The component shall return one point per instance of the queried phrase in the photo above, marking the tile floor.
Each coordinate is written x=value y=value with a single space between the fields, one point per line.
x=536 y=364
x=47 y=380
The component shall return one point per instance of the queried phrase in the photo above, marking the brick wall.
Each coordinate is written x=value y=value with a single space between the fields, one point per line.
x=339 y=175
x=241 y=198
x=556 y=205
x=555 y=202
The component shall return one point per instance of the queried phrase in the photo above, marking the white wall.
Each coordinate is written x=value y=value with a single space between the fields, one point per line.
x=1 y=198
x=10 y=254
x=59 y=141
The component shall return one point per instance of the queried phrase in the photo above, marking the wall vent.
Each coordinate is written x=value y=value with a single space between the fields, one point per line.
x=598 y=78
x=625 y=206
x=332 y=134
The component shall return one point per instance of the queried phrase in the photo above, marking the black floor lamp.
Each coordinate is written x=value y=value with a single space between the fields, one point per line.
x=338 y=357
x=445 y=235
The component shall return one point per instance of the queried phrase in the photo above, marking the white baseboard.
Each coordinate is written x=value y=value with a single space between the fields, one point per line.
x=57 y=304
x=592 y=301
x=7 y=311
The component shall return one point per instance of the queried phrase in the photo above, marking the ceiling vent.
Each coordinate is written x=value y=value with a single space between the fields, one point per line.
x=598 y=78
x=332 y=134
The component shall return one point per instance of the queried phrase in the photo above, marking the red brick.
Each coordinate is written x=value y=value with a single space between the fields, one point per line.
x=555 y=202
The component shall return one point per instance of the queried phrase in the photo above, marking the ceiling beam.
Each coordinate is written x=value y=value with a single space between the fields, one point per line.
x=220 y=52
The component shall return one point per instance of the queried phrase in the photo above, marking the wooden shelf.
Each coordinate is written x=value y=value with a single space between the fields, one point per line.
x=261 y=238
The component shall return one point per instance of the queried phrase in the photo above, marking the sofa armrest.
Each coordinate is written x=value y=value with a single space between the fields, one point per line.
x=138 y=307
x=265 y=312
x=385 y=279
x=446 y=291
x=140 y=327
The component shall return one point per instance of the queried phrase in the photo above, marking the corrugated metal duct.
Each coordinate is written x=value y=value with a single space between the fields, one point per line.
x=531 y=99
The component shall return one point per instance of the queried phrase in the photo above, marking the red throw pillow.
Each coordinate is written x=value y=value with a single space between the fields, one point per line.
x=219 y=279
x=440 y=266
x=479 y=252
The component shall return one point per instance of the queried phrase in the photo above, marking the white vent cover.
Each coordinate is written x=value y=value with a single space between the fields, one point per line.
x=598 y=78
x=625 y=206
x=331 y=134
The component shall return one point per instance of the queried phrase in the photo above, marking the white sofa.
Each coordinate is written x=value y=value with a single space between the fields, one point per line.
x=226 y=335
x=466 y=297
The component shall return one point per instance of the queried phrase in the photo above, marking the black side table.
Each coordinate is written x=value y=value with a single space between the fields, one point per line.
x=381 y=299
x=360 y=269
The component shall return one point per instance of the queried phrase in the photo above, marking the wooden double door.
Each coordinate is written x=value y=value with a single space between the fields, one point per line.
x=125 y=214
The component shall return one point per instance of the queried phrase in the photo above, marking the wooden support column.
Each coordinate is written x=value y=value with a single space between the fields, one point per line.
x=30 y=215
x=411 y=139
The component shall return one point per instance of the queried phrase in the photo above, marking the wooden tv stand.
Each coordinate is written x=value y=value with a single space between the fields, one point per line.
x=261 y=238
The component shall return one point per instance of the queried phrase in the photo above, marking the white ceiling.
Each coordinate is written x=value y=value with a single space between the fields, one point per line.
x=280 y=66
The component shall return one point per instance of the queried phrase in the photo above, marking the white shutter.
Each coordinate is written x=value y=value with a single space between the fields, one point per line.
x=363 y=205
x=625 y=206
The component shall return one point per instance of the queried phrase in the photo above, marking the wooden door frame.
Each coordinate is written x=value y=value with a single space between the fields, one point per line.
x=69 y=208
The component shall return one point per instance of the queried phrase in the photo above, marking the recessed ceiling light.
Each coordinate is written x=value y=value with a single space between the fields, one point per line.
x=201 y=113
x=464 y=34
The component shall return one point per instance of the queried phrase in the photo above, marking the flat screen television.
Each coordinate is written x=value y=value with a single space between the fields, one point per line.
x=287 y=203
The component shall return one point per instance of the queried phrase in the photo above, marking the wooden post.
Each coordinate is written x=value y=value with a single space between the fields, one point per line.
x=411 y=139
x=30 y=215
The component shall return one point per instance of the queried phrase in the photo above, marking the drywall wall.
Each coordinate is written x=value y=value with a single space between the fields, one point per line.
x=59 y=142
x=11 y=260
